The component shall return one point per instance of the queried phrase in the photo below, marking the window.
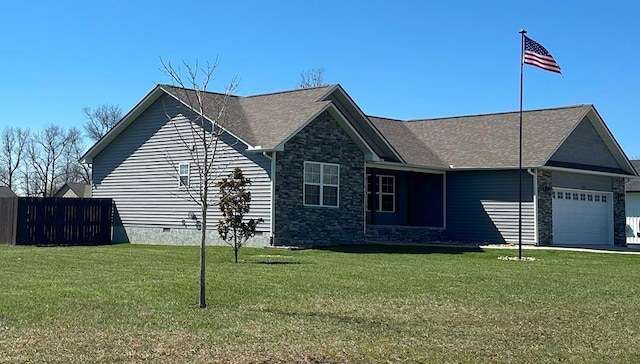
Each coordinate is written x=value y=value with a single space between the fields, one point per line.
x=321 y=184
x=385 y=193
x=183 y=175
x=604 y=198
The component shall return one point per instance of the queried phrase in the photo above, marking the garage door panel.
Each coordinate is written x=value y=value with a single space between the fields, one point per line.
x=582 y=217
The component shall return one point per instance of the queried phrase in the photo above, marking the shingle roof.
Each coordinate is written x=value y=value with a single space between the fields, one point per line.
x=80 y=189
x=412 y=149
x=633 y=185
x=262 y=120
x=6 y=192
x=483 y=141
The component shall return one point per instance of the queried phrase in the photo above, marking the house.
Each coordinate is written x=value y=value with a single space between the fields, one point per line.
x=632 y=205
x=324 y=172
x=74 y=190
x=6 y=192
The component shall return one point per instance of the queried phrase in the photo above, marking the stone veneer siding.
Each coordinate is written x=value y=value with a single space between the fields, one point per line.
x=323 y=140
x=545 y=207
x=403 y=234
x=619 y=213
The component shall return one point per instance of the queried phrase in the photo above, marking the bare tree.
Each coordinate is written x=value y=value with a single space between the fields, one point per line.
x=313 y=77
x=12 y=151
x=100 y=120
x=49 y=164
x=200 y=136
x=235 y=203
x=74 y=170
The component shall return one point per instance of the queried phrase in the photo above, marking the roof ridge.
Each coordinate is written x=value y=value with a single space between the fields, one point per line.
x=192 y=89
x=385 y=118
x=249 y=96
x=292 y=90
x=499 y=113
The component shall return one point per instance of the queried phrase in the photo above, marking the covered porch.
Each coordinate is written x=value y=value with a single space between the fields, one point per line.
x=404 y=205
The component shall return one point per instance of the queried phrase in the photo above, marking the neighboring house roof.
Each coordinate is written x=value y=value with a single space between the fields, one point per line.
x=79 y=189
x=633 y=185
x=490 y=140
x=6 y=192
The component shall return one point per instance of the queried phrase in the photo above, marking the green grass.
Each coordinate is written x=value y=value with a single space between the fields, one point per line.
x=136 y=303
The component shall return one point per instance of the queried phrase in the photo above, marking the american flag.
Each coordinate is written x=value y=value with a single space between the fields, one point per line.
x=537 y=55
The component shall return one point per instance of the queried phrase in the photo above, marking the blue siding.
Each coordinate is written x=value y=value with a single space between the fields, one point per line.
x=482 y=206
x=584 y=146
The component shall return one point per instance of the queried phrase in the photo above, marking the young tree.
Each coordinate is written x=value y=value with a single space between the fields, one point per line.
x=12 y=152
x=234 y=203
x=313 y=77
x=100 y=120
x=200 y=136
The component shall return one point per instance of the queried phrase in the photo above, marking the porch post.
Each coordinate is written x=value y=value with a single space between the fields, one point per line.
x=373 y=201
x=410 y=176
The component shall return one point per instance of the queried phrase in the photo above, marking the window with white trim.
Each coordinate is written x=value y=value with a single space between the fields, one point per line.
x=385 y=192
x=321 y=184
x=183 y=175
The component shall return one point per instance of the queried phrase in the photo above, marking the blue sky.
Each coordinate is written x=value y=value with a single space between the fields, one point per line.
x=400 y=59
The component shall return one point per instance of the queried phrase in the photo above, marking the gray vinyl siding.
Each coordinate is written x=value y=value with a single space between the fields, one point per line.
x=581 y=181
x=585 y=146
x=139 y=171
x=482 y=207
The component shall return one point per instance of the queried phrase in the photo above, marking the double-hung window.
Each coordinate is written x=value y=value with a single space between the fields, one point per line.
x=183 y=175
x=384 y=195
x=321 y=184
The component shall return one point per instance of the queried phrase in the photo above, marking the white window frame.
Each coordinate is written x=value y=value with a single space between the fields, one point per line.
x=379 y=192
x=321 y=184
x=180 y=175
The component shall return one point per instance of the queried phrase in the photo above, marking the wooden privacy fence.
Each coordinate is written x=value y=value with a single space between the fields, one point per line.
x=55 y=221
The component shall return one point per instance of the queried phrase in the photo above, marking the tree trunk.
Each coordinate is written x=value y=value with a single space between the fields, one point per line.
x=235 y=244
x=203 y=239
x=235 y=252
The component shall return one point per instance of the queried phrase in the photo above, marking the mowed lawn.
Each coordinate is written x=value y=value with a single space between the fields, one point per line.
x=137 y=303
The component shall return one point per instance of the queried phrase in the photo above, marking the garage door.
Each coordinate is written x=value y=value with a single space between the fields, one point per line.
x=582 y=217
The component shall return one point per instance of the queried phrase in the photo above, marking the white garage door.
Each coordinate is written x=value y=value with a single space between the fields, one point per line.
x=582 y=217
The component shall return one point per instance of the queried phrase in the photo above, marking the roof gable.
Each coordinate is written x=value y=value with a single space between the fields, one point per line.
x=262 y=122
x=81 y=190
x=585 y=146
x=364 y=125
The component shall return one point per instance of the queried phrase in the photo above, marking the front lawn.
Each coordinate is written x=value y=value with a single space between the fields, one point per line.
x=137 y=303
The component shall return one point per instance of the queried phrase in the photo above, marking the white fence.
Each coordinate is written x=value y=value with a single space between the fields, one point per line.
x=633 y=229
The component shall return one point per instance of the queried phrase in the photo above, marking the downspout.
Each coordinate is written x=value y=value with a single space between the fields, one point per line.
x=534 y=173
x=272 y=198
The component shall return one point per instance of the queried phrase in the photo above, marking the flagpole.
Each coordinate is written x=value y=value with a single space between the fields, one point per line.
x=522 y=32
